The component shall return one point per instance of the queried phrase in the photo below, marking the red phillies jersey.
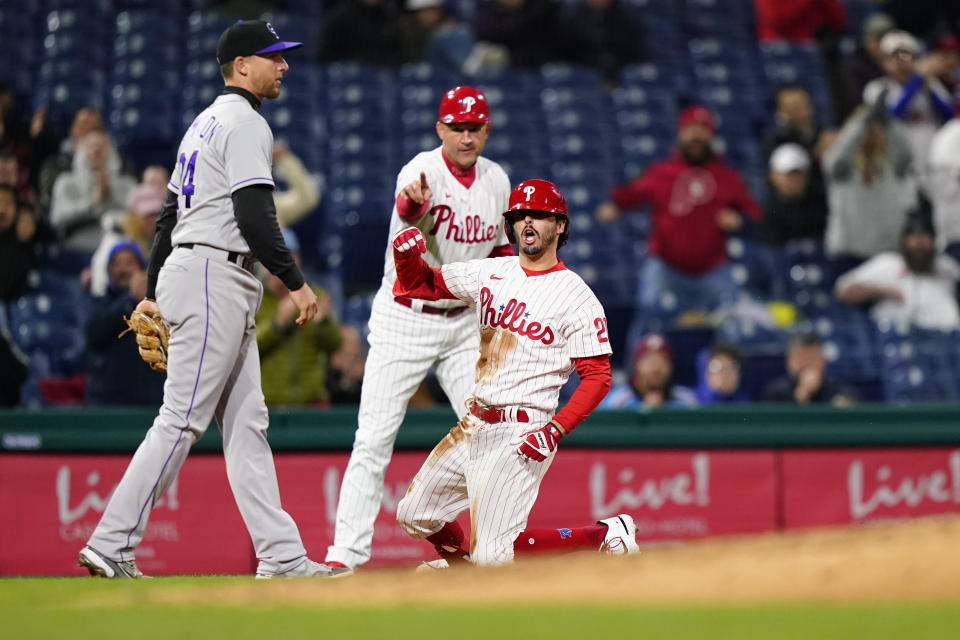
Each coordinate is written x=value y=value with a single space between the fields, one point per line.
x=685 y=200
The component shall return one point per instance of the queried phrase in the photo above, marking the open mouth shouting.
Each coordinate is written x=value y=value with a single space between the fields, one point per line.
x=529 y=236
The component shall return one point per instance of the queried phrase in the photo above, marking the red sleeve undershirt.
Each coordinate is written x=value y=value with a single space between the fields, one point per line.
x=417 y=279
x=594 y=384
x=410 y=211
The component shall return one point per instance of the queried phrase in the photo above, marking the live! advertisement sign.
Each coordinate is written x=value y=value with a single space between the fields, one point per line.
x=51 y=503
x=853 y=486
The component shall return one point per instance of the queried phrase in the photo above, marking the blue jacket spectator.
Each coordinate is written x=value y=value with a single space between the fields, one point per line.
x=116 y=375
x=718 y=370
x=650 y=385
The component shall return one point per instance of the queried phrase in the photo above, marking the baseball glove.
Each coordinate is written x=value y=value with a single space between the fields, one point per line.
x=152 y=337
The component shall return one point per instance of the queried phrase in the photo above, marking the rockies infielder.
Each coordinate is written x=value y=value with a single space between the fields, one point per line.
x=455 y=197
x=218 y=216
x=537 y=321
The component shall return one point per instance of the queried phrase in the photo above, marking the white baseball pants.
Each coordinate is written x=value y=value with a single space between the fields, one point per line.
x=404 y=344
x=476 y=466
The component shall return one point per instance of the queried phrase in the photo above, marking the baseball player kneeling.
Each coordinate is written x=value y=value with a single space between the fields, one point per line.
x=538 y=321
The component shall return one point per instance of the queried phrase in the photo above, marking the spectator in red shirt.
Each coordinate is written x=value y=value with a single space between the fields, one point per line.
x=798 y=20
x=697 y=200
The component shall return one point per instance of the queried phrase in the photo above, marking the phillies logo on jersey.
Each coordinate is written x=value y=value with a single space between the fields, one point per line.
x=691 y=189
x=472 y=231
x=513 y=317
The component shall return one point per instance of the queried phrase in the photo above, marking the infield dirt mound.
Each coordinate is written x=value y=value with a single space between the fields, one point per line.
x=916 y=560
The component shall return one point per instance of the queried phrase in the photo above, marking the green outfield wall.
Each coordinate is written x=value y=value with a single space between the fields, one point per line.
x=757 y=426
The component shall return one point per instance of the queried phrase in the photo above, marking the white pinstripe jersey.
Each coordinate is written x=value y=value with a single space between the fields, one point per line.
x=461 y=224
x=229 y=146
x=531 y=329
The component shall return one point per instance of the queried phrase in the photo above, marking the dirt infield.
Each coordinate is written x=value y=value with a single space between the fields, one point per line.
x=913 y=561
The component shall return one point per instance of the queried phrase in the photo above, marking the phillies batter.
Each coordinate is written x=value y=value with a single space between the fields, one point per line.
x=218 y=213
x=537 y=322
x=455 y=198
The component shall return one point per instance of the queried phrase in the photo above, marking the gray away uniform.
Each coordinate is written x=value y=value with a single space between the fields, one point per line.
x=209 y=299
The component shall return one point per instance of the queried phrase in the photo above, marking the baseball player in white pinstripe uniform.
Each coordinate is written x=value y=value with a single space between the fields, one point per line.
x=218 y=216
x=537 y=322
x=455 y=198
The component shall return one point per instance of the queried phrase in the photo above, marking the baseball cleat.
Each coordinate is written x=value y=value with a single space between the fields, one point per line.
x=621 y=537
x=99 y=565
x=309 y=569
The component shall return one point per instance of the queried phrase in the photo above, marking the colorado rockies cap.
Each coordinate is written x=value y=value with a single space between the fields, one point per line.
x=250 y=37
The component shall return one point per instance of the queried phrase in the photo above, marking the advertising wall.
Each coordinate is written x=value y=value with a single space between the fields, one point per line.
x=52 y=502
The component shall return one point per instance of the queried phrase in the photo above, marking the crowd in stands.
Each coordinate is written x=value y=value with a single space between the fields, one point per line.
x=794 y=239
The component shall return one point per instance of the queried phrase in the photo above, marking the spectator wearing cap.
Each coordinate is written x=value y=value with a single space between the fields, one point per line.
x=912 y=93
x=115 y=373
x=806 y=381
x=869 y=187
x=944 y=186
x=293 y=360
x=651 y=379
x=697 y=201
x=794 y=208
x=719 y=376
x=796 y=124
x=862 y=66
x=913 y=286
x=137 y=224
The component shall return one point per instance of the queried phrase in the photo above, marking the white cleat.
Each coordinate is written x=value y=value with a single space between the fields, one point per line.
x=309 y=569
x=621 y=538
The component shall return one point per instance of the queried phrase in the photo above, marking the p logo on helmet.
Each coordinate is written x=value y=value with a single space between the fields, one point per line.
x=463 y=104
x=536 y=195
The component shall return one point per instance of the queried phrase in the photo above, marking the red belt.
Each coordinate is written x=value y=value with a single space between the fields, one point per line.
x=489 y=414
x=452 y=312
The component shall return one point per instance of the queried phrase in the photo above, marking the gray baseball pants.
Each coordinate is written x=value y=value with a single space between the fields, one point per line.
x=213 y=370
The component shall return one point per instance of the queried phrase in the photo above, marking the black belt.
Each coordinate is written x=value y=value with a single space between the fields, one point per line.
x=451 y=312
x=492 y=414
x=242 y=260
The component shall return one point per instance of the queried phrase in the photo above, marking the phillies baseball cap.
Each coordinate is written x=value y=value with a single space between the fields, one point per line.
x=250 y=37
x=652 y=343
x=463 y=104
x=697 y=114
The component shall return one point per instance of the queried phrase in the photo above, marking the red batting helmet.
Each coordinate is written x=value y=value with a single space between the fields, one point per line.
x=536 y=195
x=463 y=104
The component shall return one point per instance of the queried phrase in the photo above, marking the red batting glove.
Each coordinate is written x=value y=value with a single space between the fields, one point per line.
x=540 y=443
x=409 y=241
